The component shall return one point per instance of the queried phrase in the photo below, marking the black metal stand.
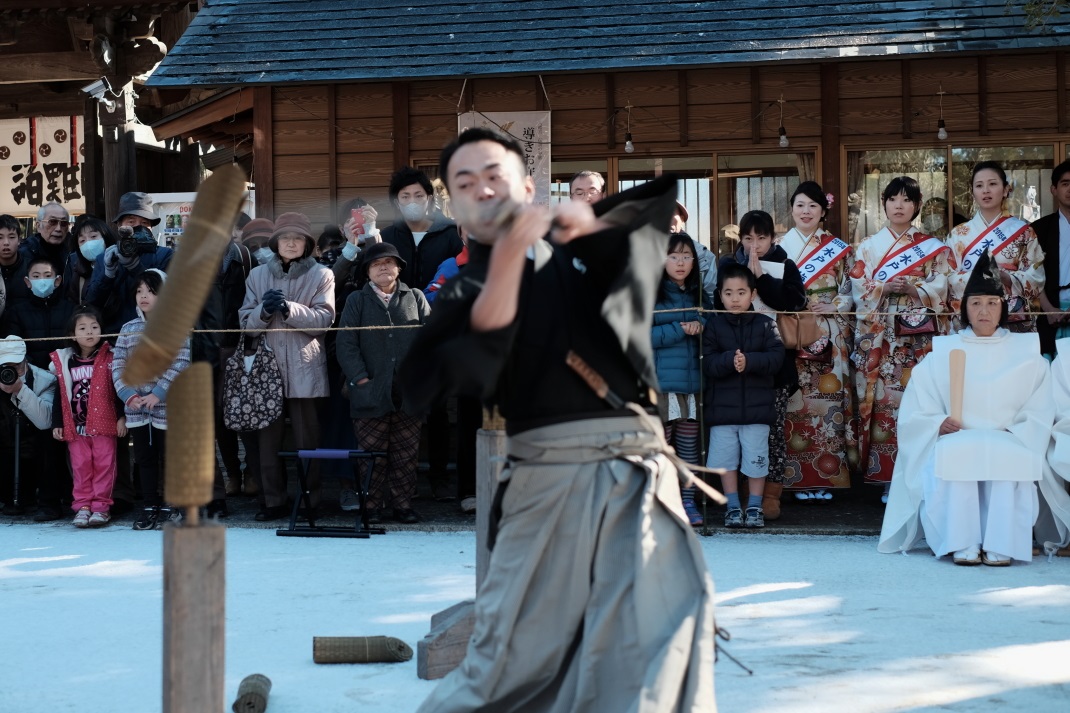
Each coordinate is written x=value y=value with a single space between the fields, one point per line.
x=360 y=528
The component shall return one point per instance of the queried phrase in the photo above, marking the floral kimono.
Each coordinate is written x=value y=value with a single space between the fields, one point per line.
x=1016 y=250
x=821 y=411
x=892 y=334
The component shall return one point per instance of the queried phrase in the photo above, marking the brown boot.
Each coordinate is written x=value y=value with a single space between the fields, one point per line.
x=771 y=500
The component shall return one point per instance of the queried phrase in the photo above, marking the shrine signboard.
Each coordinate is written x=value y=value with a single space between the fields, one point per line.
x=41 y=162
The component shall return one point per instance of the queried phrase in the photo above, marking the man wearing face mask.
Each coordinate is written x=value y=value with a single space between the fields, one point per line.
x=423 y=236
x=49 y=242
x=43 y=315
x=118 y=268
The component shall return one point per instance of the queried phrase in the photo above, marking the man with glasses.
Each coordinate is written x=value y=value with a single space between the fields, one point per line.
x=51 y=242
x=587 y=187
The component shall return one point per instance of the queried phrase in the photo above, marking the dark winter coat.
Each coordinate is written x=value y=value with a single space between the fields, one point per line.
x=376 y=354
x=35 y=247
x=676 y=354
x=783 y=295
x=122 y=287
x=421 y=263
x=220 y=310
x=36 y=318
x=733 y=398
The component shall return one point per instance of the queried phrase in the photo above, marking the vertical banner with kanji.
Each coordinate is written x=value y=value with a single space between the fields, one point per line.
x=41 y=162
x=531 y=129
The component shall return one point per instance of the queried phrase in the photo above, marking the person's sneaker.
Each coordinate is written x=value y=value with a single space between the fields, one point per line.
x=468 y=505
x=13 y=510
x=47 y=513
x=147 y=519
x=82 y=518
x=217 y=508
x=348 y=501
x=99 y=519
x=804 y=496
x=693 y=515
x=733 y=518
x=755 y=518
x=407 y=516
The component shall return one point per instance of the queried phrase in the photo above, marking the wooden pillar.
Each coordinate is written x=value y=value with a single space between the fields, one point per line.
x=830 y=142
x=194 y=586
x=263 y=161
x=445 y=646
x=119 y=159
x=400 y=93
x=92 y=163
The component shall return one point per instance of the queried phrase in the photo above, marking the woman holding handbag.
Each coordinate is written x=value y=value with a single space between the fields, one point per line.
x=290 y=300
x=899 y=284
x=780 y=289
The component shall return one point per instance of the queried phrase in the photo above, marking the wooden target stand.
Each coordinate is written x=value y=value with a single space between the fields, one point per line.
x=445 y=646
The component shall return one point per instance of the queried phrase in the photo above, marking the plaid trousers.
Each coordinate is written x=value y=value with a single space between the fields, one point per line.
x=393 y=478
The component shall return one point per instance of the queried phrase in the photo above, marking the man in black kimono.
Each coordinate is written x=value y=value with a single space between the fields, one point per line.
x=597 y=597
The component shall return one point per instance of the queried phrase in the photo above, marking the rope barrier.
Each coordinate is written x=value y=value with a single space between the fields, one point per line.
x=701 y=310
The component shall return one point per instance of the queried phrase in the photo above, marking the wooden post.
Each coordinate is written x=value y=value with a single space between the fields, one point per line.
x=194 y=585
x=120 y=161
x=445 y=646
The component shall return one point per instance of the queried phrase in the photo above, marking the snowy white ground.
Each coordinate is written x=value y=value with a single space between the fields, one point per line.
x=826 y=623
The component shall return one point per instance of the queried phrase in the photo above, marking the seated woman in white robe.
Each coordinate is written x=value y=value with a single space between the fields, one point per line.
x=1052 y=530
x=969 y=489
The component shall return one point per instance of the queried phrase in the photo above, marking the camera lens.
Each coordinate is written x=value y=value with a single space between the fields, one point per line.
x=8 y=375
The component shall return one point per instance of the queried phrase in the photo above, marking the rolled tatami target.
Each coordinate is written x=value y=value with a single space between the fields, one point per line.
x=190 y=275
x=191 y=439
x=359 y=649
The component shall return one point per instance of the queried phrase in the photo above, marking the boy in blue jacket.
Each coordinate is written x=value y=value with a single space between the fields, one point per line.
x=742 y=353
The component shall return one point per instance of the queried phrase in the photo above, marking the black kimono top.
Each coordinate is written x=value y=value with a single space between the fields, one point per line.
x=594 y=296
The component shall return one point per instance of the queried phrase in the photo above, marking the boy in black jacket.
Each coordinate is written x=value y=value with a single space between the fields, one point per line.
x=742 y=354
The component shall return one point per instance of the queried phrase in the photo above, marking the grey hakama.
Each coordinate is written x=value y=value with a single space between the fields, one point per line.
x=597 y=597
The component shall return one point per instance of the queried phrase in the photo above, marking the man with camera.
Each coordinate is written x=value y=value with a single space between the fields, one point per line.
x=119 y=267
x=26 y=396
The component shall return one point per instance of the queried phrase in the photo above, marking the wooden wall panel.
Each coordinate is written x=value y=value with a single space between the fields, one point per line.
x=365 y=170
x=292 y=172
x=355 y=101
x=794 y=82
x=1022 y=111
x=299 y=102
x=647 y=89
x=718 y=86
x=435 y=97
x=960 y=114
x=306 y=136
x=1024 y=73
x=315 y=203
x=365 y=135
x=874 y=116
x=428 y=134
x=503 y=94
x=860 y=80
x=576 y=91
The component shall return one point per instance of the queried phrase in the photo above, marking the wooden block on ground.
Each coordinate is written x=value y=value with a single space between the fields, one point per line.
x=443 y=649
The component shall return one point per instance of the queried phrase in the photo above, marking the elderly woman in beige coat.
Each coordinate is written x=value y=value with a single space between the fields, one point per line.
x=291 y=291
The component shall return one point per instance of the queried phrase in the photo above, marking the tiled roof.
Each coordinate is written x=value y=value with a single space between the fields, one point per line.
x=286 y=41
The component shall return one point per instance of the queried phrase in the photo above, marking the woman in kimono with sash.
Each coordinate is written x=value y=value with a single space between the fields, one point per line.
x=899 y=283
x=821 y=411
x=1010 y=240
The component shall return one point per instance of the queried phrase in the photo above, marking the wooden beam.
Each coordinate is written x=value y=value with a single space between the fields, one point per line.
x=263 y=161
x=982 y=95
x=1060 y=90
x=332 y=147
x=830 y=140
x=47 y=67
x=611 y=111
x=907 y=109
x=755 y=104
x=681 y=88
x=402 y=129
x=221 y=108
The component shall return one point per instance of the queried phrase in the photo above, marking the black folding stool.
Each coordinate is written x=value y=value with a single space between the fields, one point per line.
x=360 y=528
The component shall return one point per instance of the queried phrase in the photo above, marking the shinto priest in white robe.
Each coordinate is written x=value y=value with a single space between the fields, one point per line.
x=977 y=487
x=1053 y=525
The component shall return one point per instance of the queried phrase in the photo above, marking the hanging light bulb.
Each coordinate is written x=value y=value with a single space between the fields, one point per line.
x=941 y=130
x=629 y=147
x=784 y=143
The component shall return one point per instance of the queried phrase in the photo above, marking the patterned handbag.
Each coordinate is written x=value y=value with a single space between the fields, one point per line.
x=915 y=322
x=252 y=391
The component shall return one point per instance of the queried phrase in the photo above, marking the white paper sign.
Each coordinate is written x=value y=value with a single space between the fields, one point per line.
x=531 y=129
x=41 y=162
x=173 y=210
